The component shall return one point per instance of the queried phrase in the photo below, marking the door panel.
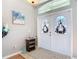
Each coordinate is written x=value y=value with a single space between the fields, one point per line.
x=61 y=42
x=43 y=38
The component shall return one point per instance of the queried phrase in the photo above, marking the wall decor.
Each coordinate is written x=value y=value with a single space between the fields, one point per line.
x=5 y=30
x=60 y=27
x=17 y=17
x=45 y=27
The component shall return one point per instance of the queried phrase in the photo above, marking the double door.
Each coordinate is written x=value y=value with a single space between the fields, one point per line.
x=58 y=42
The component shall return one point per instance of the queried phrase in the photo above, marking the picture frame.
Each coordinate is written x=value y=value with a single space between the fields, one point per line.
x=18 y=18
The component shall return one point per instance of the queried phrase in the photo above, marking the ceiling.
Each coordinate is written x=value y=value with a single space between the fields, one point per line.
x=48 y=5
x=37 y=2
x=42 y=1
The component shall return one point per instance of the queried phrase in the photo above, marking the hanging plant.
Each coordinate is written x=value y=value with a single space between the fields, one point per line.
x=5 y=30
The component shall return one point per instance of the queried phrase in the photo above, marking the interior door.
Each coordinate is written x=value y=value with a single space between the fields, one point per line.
x=43 y=38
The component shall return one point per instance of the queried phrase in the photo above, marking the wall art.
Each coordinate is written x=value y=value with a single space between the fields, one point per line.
x=17 y=17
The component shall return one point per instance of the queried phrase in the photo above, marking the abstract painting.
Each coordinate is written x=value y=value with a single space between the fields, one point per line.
x=17 y=17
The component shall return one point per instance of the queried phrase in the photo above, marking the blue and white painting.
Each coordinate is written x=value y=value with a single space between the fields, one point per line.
x=17 y=17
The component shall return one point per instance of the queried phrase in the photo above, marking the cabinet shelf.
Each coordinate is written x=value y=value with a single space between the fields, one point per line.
x=30 y=45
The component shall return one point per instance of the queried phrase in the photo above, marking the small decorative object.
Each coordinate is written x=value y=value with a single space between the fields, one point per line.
x=5 y=30
x=17 y=17
x=60 y=28
x=45 y=27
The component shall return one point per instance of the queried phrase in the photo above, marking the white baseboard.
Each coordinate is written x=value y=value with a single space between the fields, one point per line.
x=11 y=55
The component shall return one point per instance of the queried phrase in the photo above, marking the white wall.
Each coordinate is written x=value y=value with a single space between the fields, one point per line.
x=15 y=39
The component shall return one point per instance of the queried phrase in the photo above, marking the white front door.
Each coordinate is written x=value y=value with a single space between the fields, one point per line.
x=61 y=42
x=43 y=38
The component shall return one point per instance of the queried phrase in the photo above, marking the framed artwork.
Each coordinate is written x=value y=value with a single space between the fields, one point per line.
x=18 y=18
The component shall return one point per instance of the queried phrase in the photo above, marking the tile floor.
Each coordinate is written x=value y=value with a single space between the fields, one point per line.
x=40 y=53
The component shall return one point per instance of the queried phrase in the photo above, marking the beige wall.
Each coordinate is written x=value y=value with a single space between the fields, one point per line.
x=15 y=39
